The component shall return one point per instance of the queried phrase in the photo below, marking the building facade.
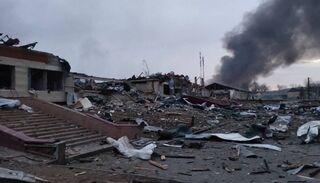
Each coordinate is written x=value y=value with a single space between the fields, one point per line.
x=25 y=73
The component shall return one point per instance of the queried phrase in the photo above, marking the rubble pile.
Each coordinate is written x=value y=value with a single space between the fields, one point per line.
x=177 y=127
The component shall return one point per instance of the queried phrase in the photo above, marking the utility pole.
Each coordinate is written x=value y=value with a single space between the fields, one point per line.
x=200 y=66
x=201 y=77
x=308 y=88
x=203 y=68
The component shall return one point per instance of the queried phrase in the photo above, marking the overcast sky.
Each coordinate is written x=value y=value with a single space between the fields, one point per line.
x=111 y=38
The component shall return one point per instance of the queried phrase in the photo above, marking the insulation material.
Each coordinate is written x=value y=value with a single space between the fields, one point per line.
x=9 y=102
x=125 y=148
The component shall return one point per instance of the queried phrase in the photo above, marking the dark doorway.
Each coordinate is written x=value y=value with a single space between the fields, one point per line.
x=54 y=81
x=6 y=77
x=37 y=79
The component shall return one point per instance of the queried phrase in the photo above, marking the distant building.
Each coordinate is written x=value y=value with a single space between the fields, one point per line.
x=221 y=91
x=284 y=94
x=25 y=72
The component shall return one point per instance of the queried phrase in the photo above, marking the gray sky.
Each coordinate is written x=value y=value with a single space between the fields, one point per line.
x=111 y=38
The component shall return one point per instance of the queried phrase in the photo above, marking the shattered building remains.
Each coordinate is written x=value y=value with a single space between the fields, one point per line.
x=25 y=72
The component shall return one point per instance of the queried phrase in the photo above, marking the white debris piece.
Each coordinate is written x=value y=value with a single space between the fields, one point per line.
x=86 y=103
x=152 y=129
x=211 y=107
x=263 y=146
x=248 y=114
x=147 y=127
x=281 y=124
x=26 y=108
x=309 y=131
x=83 y=103
x=141 y=122
x=272 y=107
x=125 y=148
x=224 y=136
x=9 y=102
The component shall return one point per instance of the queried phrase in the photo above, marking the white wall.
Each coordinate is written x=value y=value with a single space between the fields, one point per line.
x=21 y=80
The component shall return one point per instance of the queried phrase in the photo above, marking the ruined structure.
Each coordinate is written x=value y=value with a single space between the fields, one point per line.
x=25 y=72
x=220 y=91
x=160 y=84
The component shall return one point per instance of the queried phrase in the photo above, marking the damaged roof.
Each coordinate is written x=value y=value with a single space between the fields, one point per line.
x=219 y=86
x=32 y=55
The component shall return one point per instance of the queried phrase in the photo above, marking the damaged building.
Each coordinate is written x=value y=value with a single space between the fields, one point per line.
x=160 y=84
x=221 y=91
x=25 y=72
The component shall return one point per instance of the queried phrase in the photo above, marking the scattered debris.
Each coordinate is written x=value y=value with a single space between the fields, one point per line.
x=297 y=170
x=243 y=151
x=226 y=168
x=248 y=114
x=83 y=103
x=26 y=108
x=280 y=124
x=156 y=164
x=80 y=173
x=8 y=175
x=264 y=169
x=180 y=131
x=185 y=173
x=147 y=127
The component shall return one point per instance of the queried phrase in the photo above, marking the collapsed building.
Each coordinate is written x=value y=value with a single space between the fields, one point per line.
x=25 y=72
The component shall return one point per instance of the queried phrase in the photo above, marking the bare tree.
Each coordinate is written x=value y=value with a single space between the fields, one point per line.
x=281 y=87
x=256 y=87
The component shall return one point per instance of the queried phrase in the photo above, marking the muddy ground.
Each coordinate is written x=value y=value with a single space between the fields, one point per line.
x=215 y=161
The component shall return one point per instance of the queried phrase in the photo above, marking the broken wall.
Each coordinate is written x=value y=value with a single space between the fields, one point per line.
x=148 y=86
x=22 y=80
x=238 y=95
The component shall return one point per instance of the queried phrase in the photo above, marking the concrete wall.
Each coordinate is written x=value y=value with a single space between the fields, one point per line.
x=21 y=80
x=238 y=95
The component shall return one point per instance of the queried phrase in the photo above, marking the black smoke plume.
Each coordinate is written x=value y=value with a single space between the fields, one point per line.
x=278 y=33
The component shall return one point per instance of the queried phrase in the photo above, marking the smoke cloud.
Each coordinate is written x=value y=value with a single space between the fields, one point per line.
x=279 y=33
